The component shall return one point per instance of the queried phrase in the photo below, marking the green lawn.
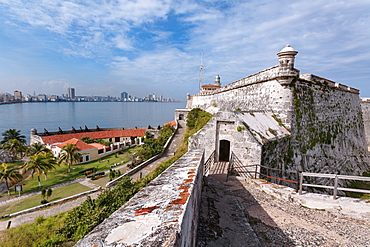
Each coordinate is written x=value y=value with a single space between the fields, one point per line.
x=60 y=175
x=105 y=179
x=33 y=201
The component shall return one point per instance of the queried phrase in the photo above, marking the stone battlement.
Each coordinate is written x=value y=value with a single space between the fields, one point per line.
x=259 y=77
x=329 y=83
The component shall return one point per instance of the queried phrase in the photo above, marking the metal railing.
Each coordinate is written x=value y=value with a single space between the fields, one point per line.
x=209 y=163
x=268 y=175
x=335 y=187
x=238 y=167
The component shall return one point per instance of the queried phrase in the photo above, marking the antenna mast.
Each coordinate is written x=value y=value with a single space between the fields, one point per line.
x=201 y=71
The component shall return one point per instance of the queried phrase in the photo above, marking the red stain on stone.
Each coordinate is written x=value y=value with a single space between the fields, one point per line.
x=183 y=197
x=144 y=211
x=185 y=189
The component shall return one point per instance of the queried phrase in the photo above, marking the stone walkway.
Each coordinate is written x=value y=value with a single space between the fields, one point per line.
x=230 y=210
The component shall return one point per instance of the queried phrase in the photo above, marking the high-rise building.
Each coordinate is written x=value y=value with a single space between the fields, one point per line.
x=71 y=93
x=124 y=95
x=18 y=95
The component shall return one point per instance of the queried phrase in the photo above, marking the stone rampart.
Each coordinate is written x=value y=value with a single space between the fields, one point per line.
x=324 y=118
x=329 y=83
x=164 y=213
x=254 y=97
x=327 y=129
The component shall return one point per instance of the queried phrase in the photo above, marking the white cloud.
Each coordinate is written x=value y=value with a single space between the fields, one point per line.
x=238 y=37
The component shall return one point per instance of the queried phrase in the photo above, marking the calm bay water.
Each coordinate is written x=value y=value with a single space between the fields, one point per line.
x=52 y=115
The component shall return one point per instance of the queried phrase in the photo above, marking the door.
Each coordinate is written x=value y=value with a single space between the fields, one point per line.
x=224 y=152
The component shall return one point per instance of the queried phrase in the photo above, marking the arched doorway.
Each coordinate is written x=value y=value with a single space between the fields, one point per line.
x=224 y=152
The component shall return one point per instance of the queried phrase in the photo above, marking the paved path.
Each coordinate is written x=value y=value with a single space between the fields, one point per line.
x=28 y=218
x=219 y=170
x=229 y=211
x=167 y=155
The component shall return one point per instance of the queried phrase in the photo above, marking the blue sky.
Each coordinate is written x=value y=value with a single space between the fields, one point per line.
x=105 y=47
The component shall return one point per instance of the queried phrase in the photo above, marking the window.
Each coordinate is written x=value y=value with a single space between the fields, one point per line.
x=116 y=139
x=87 y=157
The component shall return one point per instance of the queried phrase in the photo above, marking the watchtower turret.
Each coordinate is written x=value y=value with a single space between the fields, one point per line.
x=218 y=81
x=286 y=65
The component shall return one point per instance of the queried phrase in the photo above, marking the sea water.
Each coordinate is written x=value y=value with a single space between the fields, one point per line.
x=51 y=115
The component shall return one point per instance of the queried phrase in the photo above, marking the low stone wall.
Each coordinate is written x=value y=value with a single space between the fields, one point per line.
x=164 y=213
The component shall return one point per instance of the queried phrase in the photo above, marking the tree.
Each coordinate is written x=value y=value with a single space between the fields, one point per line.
x=11 y=134
x=48 y=193
x=87 y=139
x=9 y=175
x=15 y=147
x=39 y=164
x=37 y=148
x=69 y=155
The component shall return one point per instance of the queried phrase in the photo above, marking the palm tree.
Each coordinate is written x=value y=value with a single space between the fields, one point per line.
x=38 y=147
x=9 y=175
x=39 y=164
x=11 y=134
x=15 y=147
x=69 y=155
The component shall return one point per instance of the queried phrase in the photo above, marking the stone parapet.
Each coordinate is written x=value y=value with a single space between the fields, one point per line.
x=260 y=77
x=164 y=213
x=329 y=83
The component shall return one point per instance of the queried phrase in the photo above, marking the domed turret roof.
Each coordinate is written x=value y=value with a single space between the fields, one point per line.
x=287 y=48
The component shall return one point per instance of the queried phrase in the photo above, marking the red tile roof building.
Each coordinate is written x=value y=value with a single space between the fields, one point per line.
x=54 y=139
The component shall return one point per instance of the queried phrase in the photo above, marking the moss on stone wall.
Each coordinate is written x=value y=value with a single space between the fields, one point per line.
x=327 y=133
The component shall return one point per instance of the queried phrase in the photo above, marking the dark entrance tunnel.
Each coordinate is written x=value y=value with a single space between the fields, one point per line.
x=224 y=152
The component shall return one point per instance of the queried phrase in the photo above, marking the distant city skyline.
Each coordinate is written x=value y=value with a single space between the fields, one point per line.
x=18 y=96
x=106 y=47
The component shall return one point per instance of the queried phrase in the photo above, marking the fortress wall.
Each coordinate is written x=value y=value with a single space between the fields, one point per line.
x=328 y=134
x=258 y=97
x=164 y=213
x=365 y=106
x=223 y=126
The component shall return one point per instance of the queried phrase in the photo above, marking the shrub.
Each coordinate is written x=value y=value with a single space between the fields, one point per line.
x=240 y=128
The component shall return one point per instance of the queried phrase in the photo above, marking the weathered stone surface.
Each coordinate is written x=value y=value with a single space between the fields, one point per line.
x=164 y=213
x=365 y=106
x=246 y=132
x=324 y=118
